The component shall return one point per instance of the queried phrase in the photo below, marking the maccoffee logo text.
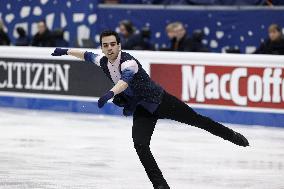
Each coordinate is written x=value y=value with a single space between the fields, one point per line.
x=265 y=87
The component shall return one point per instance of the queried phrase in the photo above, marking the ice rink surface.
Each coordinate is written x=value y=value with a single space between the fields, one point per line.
x=46 y=150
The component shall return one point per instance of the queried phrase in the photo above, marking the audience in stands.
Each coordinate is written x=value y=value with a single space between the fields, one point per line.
x=126 y=31
x=180 y=41
x=4 y=38
x=58 y=38
x=142 y=40
x=274 y=44
x=43 y=37
x=170 y=30
x=132 y=39
x=274 y=2
x=23 y=39
x=197 y=45
x=196 y=2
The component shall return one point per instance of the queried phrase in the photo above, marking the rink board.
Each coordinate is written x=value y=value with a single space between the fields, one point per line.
x=85 y=106
x=230 y=88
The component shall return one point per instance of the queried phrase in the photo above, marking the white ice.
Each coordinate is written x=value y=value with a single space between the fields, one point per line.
x=78 y=151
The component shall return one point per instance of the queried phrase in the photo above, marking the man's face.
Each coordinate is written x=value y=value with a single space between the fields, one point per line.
x=110 y=47
x=41 y=27
x=274 y=34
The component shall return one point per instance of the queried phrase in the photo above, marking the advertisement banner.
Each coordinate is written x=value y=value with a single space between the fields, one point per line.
x=259 y=88
x=47 y=76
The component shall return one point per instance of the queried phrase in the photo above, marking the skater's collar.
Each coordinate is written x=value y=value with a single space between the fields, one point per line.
x=117 y=60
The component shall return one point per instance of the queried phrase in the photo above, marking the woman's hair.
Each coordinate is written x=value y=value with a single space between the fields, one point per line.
x=128 y=26
x=274 y=27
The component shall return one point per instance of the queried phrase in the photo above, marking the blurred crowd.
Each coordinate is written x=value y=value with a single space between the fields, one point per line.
x=43 y=38
x=140 y=39
x=198 y=2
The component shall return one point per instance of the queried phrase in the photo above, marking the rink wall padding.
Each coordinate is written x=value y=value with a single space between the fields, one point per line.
x=61 y=105
x=83 y=106
x=230 y=88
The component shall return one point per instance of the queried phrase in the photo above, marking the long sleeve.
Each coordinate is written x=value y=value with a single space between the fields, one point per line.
x=128 y=69
x=92 y=58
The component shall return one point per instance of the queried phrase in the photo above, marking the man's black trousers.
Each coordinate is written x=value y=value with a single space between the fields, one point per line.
x=174 y=109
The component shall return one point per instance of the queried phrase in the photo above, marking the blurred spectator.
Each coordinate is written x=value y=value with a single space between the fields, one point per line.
x=126 y=31
x=274 y=2
x=197 y=38
x=58 y=38
x=43 y=36
x=156 y=2
x=197 y=2
x=227 y=2
x=171 y=35
x=180 y=41
x=23 y=39
x=132 y=40
x=4 y=38
x=233 y=50
x=275 y=43
x=110 y=1
x=141 y=41
x=170 y=30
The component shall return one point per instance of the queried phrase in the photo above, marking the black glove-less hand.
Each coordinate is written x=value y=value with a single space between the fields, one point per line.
x=59 y=52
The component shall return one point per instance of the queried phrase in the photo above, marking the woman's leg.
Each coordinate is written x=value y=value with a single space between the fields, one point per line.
x=142 y=130
x=175 y=109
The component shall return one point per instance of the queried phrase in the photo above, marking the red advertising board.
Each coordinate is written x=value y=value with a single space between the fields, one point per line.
x=237 y=86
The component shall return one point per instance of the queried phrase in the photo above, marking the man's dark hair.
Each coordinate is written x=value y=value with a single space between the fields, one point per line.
x=21 y=31
x=109 y=33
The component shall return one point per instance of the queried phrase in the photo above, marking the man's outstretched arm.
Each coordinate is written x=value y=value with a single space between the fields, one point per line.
x=76 y=53
x=83 y=55
x=72 y=52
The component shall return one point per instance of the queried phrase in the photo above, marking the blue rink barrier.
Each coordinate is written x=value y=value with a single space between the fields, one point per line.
x=226 y=116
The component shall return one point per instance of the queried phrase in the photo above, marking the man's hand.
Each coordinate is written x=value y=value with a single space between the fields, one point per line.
x=59 y=52
x=105 y=98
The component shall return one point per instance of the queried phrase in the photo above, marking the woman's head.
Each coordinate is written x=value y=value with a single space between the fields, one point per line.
x=126 y=28
x=274 y=32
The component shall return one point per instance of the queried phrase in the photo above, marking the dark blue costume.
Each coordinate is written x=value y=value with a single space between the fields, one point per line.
x=141 y=89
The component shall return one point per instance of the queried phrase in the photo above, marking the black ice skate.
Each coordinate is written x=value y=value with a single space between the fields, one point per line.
x=239 y=139
x=163 y=187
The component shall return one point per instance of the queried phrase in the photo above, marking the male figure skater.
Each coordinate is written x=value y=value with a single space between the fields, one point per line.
x=147 y=101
